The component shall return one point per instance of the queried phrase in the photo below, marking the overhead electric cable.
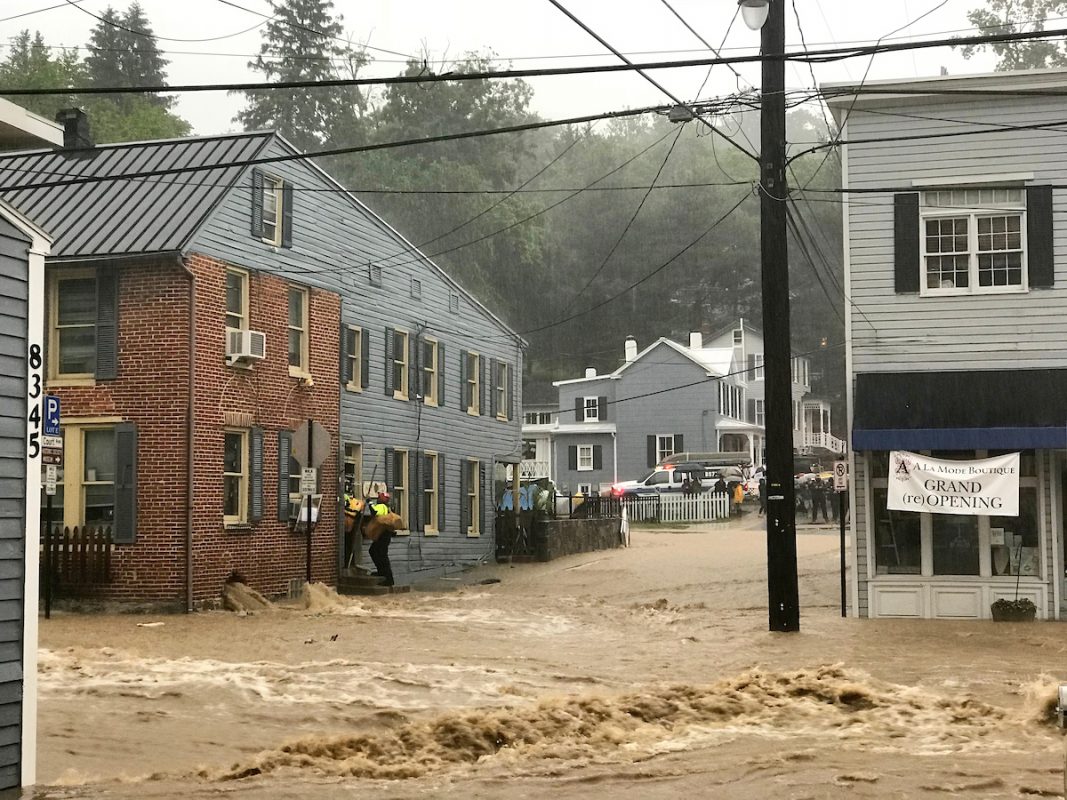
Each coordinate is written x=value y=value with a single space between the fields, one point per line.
x=39 y=10
x=154 y=36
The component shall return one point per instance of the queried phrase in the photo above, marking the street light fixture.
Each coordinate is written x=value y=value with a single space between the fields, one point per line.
x=754 y=13
x=768 y=16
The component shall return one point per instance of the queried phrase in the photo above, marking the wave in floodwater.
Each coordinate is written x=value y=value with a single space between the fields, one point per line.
x=832 y=704
x=405 y=687
x=321 y=599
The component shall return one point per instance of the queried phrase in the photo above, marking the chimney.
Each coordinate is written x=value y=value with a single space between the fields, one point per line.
x=590 y=372
x=76 y=134
x=696 y=340
x=630 y=349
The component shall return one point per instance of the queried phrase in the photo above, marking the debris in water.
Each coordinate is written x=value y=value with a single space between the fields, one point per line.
x=488 y=581
x=150 y=624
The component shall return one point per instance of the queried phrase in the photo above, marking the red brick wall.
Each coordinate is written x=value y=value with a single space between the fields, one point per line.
x=152 y=391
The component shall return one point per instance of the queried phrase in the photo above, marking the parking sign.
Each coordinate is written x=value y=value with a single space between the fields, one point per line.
x=51 y=415
x=840 y=476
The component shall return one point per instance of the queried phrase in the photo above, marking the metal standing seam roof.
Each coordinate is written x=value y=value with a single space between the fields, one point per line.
x=125 y=216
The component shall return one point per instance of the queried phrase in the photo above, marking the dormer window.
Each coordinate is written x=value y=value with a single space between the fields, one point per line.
x=272 y=209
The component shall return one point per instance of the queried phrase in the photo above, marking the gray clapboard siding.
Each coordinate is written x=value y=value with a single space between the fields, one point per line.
x=334 y=239
x=965 y=332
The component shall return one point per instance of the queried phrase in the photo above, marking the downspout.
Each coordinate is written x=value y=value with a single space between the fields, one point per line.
x=191 y=429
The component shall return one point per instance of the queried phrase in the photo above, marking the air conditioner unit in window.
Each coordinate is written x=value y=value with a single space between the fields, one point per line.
x=242 y=345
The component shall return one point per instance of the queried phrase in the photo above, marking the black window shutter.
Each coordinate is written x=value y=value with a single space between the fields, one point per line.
x=510 y=392
x=414 y=488
x=464 y=490
x=347 y=335
x=485 y=495
x=257 y=203
x=107 y=324
x=493 y=375
x=287 y=215
x=602 y=408
x=390 y=458
x=414 y=378
x=651 y=448
x=364 y=359
x=751 y=410
x=598 y=457
x=124 y=529
x=750 y=364
x=285 y=449
x=579 y=409
x=572 y=457
x=1039 y=257
x=464 y=394
x=679 y=443
x=389 y=361
x=255 y=475
x=440 y=373
x=906 y=241
x=440 y=491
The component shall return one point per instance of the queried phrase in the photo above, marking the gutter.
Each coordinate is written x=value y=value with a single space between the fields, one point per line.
x=191 y=429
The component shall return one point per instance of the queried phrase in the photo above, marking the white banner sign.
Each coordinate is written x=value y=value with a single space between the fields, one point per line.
x=985 y=486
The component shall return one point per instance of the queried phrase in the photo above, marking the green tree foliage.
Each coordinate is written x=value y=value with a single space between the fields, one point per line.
x=1017 y=16
x=301 y=44
x=31 y=64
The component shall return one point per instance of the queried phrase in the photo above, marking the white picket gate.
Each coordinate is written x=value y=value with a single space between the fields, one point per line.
x=678 y=507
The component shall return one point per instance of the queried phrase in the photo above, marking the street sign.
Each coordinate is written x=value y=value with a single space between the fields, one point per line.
x=50 y=479
x=309 y=480
x=51 y=415
x=840 y=476
x=51 y=456
x=320 y=445
x=50 y=442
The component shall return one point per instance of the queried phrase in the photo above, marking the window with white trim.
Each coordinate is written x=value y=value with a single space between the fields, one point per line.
x=237 y=299
x=664 y=447
x=757 y=369
x=474 y=389
x=430 y=491
x=501 y=388
x=973 y=241
x=400 y=484
x=731 y=400
x=298 y=332
x=354 y=354
x=235 y=476
x=585 y=489
x=429 y=371
x=272 y=209
x=473 y=498
x=760 y=417
x=400 y=365
x=591 y=407
x=585 y=457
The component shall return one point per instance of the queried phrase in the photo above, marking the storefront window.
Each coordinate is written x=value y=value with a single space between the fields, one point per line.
x=897 y=539
x=1013 y=542
x=955 y=544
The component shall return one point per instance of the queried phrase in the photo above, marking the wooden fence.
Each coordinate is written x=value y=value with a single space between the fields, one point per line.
x=678 y=507
x=80 y=558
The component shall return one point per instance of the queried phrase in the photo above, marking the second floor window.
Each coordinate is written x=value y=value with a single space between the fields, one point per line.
x=236 y=299
x=429 y=371
x=353 y=355
x=472 y=389
x=665 y=447
x=759 y=417
x=400 y=364
x=298 y=331
x=591 y=409
x=74 y=324
x=501 y=389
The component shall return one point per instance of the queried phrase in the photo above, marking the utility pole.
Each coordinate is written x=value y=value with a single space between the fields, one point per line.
x=782 y=592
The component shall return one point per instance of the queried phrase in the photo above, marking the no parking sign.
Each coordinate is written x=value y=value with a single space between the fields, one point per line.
x=840 y=476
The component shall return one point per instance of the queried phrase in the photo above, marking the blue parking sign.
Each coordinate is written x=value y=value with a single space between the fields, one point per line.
x=51 y=415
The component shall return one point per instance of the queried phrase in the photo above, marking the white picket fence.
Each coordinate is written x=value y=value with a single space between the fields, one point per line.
x=678 y=507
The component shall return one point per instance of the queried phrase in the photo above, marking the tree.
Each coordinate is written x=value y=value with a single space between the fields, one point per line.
x=124 y=52
x=30 y=64
x=1017 y=16
x=301 y=44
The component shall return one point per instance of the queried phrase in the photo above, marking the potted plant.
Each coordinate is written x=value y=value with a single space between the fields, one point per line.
x=1018 y=610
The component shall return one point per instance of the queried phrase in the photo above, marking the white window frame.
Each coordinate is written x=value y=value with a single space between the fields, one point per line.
x=757 y=366
x=431 y=525
x=760 y=412
x=401 y=487
x=400 y=359
x=990 y=203
x=591 y=404
x=474 y=497
x=355 y=358
x=240 y=316
x=664 y=449
x=585 y=457
x=303 y=369
x=429 y=372
x=474 y=385
x=585 y=489
x=353 y=466
x=272 y=188
x=241 y=518
x=54 y=360
x=503 y=375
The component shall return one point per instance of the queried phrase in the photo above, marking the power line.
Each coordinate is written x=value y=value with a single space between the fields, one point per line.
x=817 y=56
x=154 y=37
x=39 y=10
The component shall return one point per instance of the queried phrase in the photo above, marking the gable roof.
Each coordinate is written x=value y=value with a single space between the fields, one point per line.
x=717 y=362
x=125 y=216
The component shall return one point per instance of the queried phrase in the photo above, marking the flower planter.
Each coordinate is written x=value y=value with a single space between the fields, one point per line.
x=1013 y=611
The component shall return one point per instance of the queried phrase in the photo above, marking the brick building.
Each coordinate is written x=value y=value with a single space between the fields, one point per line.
x=201 y=305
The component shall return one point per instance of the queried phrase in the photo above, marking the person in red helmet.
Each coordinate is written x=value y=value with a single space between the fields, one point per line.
x=379 y=548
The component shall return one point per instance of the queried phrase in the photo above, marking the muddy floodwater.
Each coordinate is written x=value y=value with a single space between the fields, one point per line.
x=645 y=672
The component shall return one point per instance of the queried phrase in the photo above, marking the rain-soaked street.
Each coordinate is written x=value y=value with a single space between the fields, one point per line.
x=645 y=672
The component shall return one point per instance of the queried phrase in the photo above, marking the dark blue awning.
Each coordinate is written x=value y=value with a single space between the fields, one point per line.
x=960 y=439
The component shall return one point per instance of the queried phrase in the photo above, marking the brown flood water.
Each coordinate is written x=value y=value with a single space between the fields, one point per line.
x=639 y=673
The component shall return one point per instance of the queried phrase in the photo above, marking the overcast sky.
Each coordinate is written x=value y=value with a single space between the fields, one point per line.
x=529 y=34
